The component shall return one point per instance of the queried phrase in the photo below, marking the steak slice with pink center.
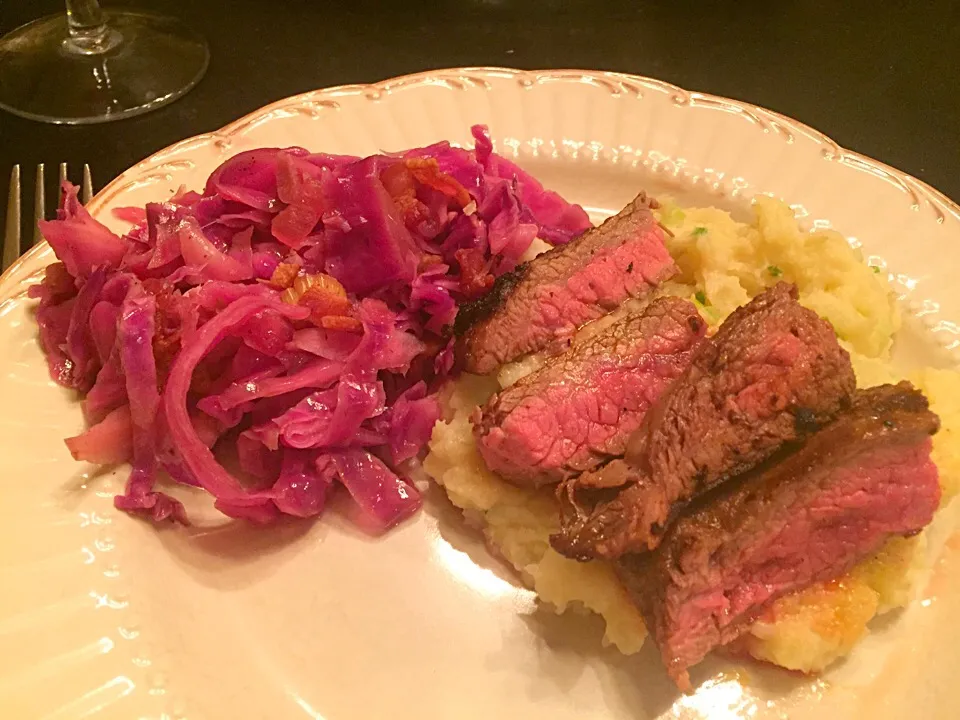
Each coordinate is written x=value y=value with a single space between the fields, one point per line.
x=540 y=304
x=794 y=521
x=579 y=409
x=773 y=373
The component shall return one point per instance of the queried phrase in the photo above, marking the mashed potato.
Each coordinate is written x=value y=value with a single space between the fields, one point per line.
x=723 y=263
x=729 y=262
x=518 y=523
x=809 y=630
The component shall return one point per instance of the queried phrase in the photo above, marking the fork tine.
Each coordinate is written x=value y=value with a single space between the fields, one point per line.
x=11 y=238
x=87 y=184
x=63 y=179
x=39 y=205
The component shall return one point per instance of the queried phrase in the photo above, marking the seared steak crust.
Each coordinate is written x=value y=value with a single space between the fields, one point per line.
x=804 y=516
x=482 y=308
x=542 y=303
x=773 y=373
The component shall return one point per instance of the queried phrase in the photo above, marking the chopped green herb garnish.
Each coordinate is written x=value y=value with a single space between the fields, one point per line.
x=700 y=230
x=774 y=270
x=700 y=297
x=875 y=268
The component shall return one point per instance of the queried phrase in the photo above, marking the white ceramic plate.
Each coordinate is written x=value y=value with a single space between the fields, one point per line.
x=104 y=616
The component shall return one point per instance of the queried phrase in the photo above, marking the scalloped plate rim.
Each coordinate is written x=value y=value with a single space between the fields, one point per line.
x=934 y=196
x=16 y=277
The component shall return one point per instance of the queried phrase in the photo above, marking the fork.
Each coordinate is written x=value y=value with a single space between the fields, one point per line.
x=12 y=236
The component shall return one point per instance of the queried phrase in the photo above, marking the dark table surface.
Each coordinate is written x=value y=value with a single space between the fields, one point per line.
x=881 y=80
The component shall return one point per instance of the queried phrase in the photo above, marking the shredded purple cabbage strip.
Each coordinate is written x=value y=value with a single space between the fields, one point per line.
x=296 y=316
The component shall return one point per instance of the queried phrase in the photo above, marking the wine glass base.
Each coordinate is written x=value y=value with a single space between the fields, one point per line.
x=146 y=61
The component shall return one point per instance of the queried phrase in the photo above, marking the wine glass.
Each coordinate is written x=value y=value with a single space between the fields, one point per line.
x=93 y=65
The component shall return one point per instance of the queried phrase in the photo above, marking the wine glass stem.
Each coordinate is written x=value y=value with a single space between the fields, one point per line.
x=89 y=34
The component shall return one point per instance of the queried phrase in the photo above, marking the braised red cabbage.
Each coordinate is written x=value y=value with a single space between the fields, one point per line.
x=296 y=316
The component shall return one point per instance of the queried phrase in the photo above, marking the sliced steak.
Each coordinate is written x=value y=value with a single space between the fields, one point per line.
x=580 y=408
x=773 y=373
x=542 y=303
x=797 y=520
